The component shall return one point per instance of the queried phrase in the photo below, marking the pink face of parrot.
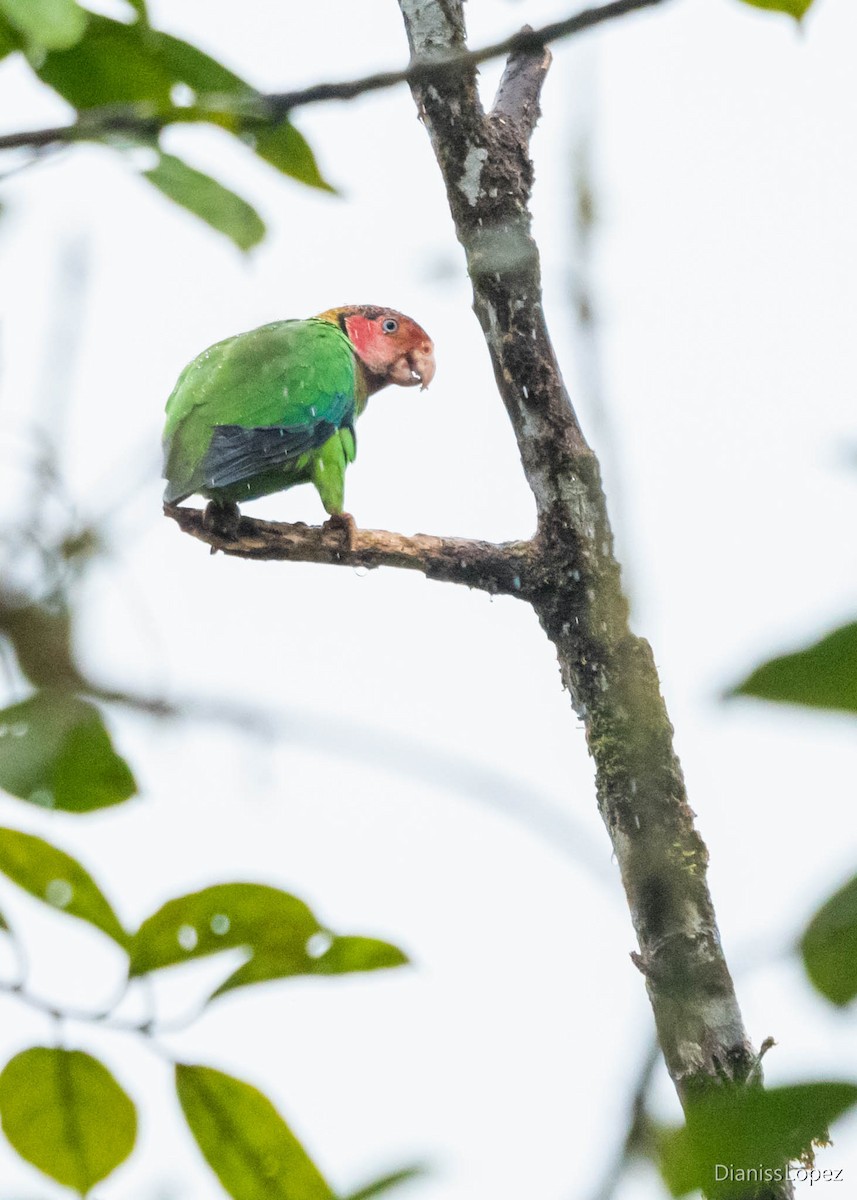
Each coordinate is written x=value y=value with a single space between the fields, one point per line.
x=392 y=347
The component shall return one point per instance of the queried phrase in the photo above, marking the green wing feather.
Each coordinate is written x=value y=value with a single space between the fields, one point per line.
x=248 y=415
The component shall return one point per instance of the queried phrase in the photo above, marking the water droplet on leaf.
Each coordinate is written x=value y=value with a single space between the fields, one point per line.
x=187 y=937
x=59 y=893
x=319 y=944
x=220 y=924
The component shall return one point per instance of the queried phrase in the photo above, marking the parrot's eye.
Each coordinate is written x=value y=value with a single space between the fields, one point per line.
x=390 y=325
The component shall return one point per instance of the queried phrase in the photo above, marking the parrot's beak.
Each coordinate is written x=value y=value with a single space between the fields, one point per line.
x=417 y=366
x=421 y=364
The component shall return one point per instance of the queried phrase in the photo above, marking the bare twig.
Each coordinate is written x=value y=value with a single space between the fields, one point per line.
x=258 y=111
x=149 y=1031
x=639 y=1132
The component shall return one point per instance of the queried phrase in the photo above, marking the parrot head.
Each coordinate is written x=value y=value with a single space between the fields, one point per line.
x=391 y=347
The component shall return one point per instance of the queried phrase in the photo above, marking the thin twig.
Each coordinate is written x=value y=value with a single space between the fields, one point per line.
x=103 y=1018
x=638 y=1127
x=255 y=111
x=150 y=1030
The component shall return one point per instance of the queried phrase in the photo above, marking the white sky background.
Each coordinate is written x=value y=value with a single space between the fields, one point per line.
x=725 y=270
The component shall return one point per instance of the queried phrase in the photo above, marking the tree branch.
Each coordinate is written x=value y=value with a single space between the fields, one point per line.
x=254 y=112
x=609 y=672
x=511 y=569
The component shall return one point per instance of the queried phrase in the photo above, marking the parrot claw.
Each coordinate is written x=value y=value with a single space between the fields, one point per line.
x=222 y=517
x=345 y=524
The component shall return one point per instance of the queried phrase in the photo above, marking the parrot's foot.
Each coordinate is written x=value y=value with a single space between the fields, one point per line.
x=345 y=524
x=221 y=517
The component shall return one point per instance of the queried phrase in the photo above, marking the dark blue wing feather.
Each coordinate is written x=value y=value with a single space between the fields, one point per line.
x=236 y=453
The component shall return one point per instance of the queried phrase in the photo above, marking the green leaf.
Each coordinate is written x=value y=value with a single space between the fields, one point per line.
x=829 y=946
x=287 y=150
x=56 y=752
x=9 y=38
x=822 y=676
x=49 y=24
x=794 y=8
x=348 y=953
x=208 y=199
x=281 y=145
x=113 y=64
x=282 y=936
x=386 y=1183
x=190 y=65
x=208 y=79
x=749 y=1130
x=244 y=1139
x=58 y=879
x=323 y=954
x=220 y=918
x=42 y=640
x=117 y=64
x=64 y=1112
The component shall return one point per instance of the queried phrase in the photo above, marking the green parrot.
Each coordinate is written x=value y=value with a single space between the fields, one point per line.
x=265 y=410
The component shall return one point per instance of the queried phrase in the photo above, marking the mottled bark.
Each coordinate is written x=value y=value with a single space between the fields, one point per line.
x=608 y=670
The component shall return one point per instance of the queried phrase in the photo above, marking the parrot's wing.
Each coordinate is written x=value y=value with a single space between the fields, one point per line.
x=237 y=453
x=257 y=401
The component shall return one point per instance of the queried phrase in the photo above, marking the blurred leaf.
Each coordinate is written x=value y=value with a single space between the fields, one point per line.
x=749 y=1130
x=190 y=65
x=287 y=150
x=220 y=918
x=332 y=956
x=113 y=64
x=244 y=1139
x=822 y=676
x=386 y=1183
x=349 y=953
x=139 y=7
x=281 y=145
x=51 y=24
x=41 y=638
x=81 y=544
x=118 y=64
x=829 y=946
x=794 y=8
x=4 y=924
x=64 y=1112
x=280 y=932
x=58 y=879
x=56 y=752
x=9 y=39
x=206 y=198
